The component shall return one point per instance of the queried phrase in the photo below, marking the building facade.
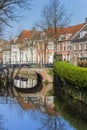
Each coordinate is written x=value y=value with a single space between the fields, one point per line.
x=32 y=46
x=79 y=44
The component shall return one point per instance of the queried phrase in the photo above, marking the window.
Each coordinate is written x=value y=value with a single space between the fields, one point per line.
x=80 y=46
x=60 y=47
x=68 y=36
x=80 y=55
x=25 y=40
x=85 y=46
x=75 y=47
x=61 y=37
x=68 y=47
x=34 y=43
x=82 y=33
x=50 y=45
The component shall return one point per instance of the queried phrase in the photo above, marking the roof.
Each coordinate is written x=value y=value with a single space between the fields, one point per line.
x=3 y=42
x=65 y=30
x=33 y=34
x=29 y=34
x=25 y=34
x=78 y=37
x=14 y=40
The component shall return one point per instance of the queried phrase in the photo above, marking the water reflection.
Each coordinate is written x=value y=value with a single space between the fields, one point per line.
x=2 y=121
x=31 y=84
x=25 y=83
x=72 y=110
x=32 y=113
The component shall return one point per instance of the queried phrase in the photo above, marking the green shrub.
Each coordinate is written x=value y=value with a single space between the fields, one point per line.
x=74 y=75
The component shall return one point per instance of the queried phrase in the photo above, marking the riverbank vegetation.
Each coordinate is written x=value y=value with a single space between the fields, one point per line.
x=73 y=75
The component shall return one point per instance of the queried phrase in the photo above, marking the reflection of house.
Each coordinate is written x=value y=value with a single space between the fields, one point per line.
x=24 y=104
x=45 y=104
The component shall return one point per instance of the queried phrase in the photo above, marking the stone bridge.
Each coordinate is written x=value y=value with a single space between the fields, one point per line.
x=45 y=76
x=42 y=71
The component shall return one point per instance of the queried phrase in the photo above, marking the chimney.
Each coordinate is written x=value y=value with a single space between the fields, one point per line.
x=86 y=20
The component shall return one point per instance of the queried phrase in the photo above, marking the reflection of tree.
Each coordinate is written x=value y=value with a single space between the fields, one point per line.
x=2 y=123
x=52 y=123
x=7 y=80
x=72 y=110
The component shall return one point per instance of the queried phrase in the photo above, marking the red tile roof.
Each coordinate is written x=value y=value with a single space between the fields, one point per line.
x=50 y=32
x=25 y=34
x=65 y=30
x=73 y=29
x=29 y=35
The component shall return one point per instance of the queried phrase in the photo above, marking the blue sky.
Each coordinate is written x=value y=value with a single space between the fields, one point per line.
x=77 y=8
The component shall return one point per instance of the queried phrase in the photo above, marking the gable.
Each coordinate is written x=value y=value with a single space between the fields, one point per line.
x=81 y=35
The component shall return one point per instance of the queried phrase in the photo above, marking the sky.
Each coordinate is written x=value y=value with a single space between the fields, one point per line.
x=76 y=8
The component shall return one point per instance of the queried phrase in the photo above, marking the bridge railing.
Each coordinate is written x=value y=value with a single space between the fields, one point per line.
x=29 y=65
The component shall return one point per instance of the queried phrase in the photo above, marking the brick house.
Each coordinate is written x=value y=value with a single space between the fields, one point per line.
x=79 y=44
x=64 y=46
x=33 y=46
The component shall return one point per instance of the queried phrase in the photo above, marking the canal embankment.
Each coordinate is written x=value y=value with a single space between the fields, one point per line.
x=72 y=80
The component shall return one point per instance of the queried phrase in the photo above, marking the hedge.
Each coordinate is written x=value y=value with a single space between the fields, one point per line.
x=74 y=75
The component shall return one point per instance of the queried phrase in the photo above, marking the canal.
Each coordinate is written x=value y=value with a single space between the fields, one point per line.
x=40 y=112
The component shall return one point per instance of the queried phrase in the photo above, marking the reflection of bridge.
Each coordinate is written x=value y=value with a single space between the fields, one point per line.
x=24 y=85
x=42 y=74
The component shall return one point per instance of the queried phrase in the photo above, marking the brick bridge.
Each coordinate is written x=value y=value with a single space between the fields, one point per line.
x=45 y=76
x=42 y=71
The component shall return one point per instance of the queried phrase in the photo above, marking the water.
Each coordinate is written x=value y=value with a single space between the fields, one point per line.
x=31 y=113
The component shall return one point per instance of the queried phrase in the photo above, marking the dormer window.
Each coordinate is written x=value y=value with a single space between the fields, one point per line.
x=25 y=40
x=82 y=34
x=68 y=36
x=61 y=37
x=34 y=43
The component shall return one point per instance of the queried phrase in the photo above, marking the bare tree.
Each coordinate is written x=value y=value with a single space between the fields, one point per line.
x=9 y=8
x=55 y=16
